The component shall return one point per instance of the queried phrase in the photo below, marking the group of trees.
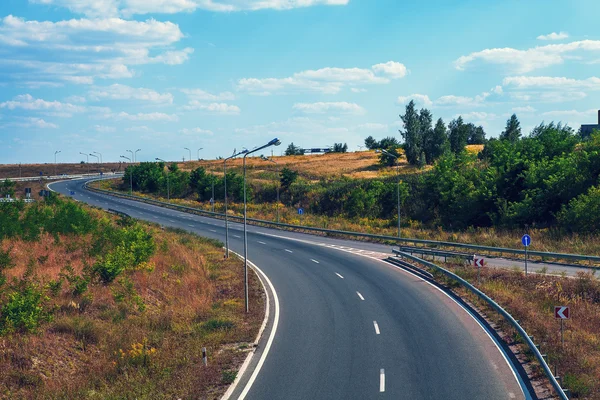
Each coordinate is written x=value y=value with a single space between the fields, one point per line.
x=424 y=143
x=293 y=150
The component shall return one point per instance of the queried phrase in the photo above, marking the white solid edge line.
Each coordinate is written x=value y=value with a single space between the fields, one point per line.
x=315 y=261
x=269 y=341
x=343 y=278
x=261 y=242
x=376 y=327
x=518 y=378
x=381 y=380
x=262 y=277
x=289 y=251
x=512 y=368
x=361 y=296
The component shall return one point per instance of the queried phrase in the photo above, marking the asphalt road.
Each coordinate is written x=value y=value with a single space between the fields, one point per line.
x=350 y=326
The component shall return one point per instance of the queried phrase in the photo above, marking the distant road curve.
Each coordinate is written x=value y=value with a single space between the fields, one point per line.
x=350 y=326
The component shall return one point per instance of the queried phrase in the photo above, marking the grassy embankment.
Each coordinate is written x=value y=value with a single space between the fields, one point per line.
x=93 y=306
x=362 y=165
x=50 y=169
x=531 y=300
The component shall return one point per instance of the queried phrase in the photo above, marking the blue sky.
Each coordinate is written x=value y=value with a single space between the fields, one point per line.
x=162 y=75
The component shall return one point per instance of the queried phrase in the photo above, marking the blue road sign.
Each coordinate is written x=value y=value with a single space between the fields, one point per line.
x=300 y=211
x=72 y=193
x=526 y=240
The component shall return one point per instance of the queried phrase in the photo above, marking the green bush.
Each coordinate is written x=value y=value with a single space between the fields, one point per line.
x=24 y=311
x=217 y=324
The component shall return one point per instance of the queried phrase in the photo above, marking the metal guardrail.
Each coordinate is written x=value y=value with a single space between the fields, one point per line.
x=536 y=352
x=500 y=251
x=435 y=253
x=11 y=200
x=57 y=177
x=119 y=213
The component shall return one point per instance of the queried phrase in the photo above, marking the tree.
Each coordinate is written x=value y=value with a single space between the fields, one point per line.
x=340 y=148
x=425 y=132
x=387 y=143
x=288 y=177
x=476 y=135
x=458 y=136
x=435 y=142
x=388 y=161
x=413 y=139
x=512 y=132
x=293 y=150
x=371 y=143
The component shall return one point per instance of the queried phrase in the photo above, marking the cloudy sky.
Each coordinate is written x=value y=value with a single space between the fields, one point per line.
x=162 y=75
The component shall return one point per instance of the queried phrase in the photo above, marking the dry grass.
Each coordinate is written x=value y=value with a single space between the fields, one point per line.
x=475 y=148
x=29 y=170
x=531 y=300
x=192 y=298
x=360 y=165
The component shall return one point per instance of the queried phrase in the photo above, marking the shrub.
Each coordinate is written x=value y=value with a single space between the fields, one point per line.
x=23 y=312
x=108 y=268
x=83 y=329
x=217 y=324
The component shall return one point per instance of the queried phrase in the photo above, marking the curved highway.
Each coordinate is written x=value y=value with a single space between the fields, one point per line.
x=350 y=326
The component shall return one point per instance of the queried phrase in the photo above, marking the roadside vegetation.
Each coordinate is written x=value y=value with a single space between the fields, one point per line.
x=531 y=300
x=95 y=306
x=455 y=185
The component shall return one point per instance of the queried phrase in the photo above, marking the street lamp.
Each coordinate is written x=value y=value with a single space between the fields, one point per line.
x=88 y=161
x=278 y=181
x=225 y=185
x=274 y=142
x=55 y=166
x=97 y=158
x=135 y=155
x=95 y=152
x=130 y=176
x=132 y=155
x=199 y=153
x=189 y=152
x=168 y=189
x=387 y=153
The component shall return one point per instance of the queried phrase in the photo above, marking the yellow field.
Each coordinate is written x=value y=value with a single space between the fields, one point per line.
x=362 y=165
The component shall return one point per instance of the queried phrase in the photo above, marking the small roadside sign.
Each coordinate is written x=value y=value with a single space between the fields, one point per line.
x=300 y=211
x=526 y=240
x=562 y=312
x=72 y=193
x=478 y=262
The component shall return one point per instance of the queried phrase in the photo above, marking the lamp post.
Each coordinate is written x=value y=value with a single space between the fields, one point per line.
x=199 y=153
x=189 y=152
x=87 y=162
x=55 y=166
x=100 y=154
x=135 y=155
x=97 y=158
x=168 y=189
x=130 y=176
x=274 y=142
x=387 y=153
x=132 y=156
x=278 y=181
x=225 y=185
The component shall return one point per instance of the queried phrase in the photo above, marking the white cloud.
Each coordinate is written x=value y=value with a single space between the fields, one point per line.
x=138 y=129
x=201 y=95
x=497 y=90
x=554 y=36
x=29 y=103
x=76 y=99
x=328 y=80
x=87 y=49
x=333 y=107
x=358 y=90
x=123 y=92
x=392 y=69
x=196 y=131
x=36 y=123
x=215 y=108
x=523 y=61
x=104 y=129
x=102 y=8
x=422 y=99
x=548 y=82
x=477 y=116
x=524 y=110
x=156 y=116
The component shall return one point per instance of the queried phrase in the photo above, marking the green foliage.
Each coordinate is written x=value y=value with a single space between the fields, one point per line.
x=340 y=148
x=414 y=126
x=288 y=177
x=23 y=311
x=458 y=135
x=7 y=188
x=371 y=143
x=582 y=214
x=387 y=160
x=293 y=150
x=512 y=132
x=131 y=247
x=436 y=142
x=218 y=324
x=79 y=284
